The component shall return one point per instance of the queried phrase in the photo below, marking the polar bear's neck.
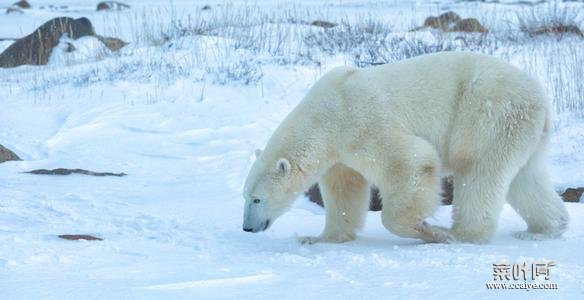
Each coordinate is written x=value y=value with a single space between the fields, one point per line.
x=305 y=145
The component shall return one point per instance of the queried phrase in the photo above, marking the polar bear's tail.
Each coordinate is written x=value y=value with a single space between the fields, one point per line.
x=531 y=194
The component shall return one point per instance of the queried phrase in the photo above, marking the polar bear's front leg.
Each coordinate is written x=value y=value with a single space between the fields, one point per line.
x=409 y=188
x=346 y=200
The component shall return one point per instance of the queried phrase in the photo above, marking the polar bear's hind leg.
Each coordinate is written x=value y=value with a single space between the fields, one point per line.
x=532 y=196
x=500 y=144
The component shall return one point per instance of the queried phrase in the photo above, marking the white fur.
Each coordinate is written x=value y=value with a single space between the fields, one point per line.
x=401 y=127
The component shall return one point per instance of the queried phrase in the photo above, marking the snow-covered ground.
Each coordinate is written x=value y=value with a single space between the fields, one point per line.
x=181 y=121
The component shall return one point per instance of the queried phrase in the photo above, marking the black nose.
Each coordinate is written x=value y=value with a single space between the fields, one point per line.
x=247 y=229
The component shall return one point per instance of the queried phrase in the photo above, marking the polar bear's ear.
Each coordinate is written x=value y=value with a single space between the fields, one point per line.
x=258 y=152
x=283 y=167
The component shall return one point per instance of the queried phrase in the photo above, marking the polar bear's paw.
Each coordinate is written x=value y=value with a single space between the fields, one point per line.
x=329 y=238
x=308 y=240
x=435 y=234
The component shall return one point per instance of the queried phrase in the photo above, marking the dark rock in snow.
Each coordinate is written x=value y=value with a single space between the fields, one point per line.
x=7 y=155
x=315 y=196
x=448 y=18
x=36 y=48
x=443 y=22
x=111 y=5
x=375 y=204
x=114 y=44
x=573 y=194
x=323 y=24
x=447 y=190
x=22 y=4
x=468 y=25
x=63 y=171
x=12 y=10
x=452 y=22
x=76 y=237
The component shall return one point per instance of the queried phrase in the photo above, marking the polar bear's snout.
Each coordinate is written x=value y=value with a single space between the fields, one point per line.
x=263 y=227
x=254 y=216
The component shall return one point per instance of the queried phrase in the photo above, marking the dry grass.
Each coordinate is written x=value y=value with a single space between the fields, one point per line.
x=550 y=19
x=231 y=44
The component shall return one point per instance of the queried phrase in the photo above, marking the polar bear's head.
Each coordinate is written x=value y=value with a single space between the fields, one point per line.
x=267 y=191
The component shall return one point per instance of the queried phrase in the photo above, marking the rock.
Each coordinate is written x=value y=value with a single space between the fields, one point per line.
x=18 y=7
x=76 y=237
x=573 y=194
x=206 y=7
x=36 y=48
x=375 y=202
x=12 y=10
x=315 y=196
x=70 y=48
x=447 y=190
x=468 y=25
x=451 y=22
x=22 y=4
x=111 y=5
x=432 y=22
x=7 y=155
x=443 y=22
x=114 y=44
x=448 y=18
x=63 y=171
x=323 y=24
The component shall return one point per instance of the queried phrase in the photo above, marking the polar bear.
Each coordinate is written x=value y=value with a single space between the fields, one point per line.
x=401 y=126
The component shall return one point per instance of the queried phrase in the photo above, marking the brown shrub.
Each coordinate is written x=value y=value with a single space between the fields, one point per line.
x=555 y=30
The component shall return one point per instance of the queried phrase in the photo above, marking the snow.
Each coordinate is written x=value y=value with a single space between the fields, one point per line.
x=186 y=136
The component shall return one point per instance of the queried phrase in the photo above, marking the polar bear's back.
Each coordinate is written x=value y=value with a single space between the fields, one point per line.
x=431 y=94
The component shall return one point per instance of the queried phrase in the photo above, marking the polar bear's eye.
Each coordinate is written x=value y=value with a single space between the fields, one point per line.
x=256 y=201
